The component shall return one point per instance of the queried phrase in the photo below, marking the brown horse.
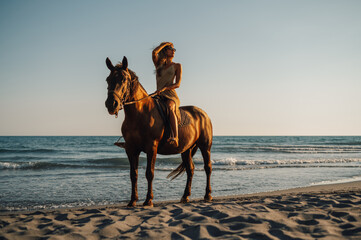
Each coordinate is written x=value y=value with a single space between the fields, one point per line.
x=144 y=131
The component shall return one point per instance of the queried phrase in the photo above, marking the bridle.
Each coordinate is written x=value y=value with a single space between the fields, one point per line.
x=116 y=95
x=122 y=101
x=125 y=90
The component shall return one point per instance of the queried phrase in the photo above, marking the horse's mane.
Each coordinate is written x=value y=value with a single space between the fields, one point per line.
x=135 y=79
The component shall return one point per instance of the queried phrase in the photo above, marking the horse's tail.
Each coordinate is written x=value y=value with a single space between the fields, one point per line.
x=178 y=171
x=181 y=168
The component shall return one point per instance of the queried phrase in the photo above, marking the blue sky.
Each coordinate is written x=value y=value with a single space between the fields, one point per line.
x=256 y=67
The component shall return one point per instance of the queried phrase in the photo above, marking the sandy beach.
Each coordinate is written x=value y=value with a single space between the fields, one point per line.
x=317 y=212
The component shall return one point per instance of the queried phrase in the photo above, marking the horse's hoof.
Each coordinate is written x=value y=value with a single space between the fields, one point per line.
x=184 y=200
x=208 y=198
x=132 y=204
x=148 y=203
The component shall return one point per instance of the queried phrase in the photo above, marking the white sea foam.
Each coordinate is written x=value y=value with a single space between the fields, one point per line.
x=9 y=165
x=233 y=161
x=227 y=161
x=19 y=165
x=343 y=180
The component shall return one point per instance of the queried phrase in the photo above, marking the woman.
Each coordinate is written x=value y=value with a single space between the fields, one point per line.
x=169 y=76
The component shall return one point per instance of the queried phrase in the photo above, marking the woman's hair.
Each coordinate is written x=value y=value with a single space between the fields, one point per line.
x=162 y=57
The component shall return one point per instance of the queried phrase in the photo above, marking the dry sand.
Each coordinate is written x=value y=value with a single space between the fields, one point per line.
x=317 y=212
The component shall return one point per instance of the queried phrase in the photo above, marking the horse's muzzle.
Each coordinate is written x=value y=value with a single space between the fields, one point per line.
x=113 y=106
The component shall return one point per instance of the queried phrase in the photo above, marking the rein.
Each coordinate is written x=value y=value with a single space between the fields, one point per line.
x=123 y=103
x=131 y=102
x=135 y=101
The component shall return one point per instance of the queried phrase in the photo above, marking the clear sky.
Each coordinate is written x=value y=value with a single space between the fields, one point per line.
x=256 y=67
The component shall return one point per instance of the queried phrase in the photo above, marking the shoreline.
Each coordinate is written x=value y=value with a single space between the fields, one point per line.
x=320 y=188
x=350 y=186
x=331 y=211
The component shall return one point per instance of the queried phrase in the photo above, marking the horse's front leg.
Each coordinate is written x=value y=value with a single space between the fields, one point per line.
x=133 y=158
x=151 y=157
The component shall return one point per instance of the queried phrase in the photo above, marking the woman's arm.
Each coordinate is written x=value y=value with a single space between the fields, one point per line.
x=178 y=75
x=157 y=50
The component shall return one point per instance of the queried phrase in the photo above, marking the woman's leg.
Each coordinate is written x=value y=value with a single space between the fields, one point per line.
x=173 y=119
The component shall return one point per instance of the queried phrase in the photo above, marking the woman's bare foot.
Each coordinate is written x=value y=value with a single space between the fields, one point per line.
x=173 y=141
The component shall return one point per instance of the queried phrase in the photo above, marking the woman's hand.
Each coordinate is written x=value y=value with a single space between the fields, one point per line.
x=167 y=44
x=159 y=91
x=161 y=46
x=164 y=89
x=157 y=50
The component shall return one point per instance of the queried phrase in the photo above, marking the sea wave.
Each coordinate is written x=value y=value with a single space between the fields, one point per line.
x=24 y=206
x=258 y=167
x=108 y=161
x=342 y=180
x=29 y=165
x=21 y=157
x=51 y=165
x=355 y=143
x=233 y=161
x=142 y=160
x=170 y=163
x=304 y=149
x=19 y=151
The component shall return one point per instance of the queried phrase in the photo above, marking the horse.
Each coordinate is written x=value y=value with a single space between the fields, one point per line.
x=143 y=130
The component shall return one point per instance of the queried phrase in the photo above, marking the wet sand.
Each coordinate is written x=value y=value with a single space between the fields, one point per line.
x=317 y=212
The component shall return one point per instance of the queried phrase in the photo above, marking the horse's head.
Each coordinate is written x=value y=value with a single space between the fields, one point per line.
x=118 y=81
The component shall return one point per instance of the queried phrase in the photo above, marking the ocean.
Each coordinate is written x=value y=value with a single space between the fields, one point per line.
x=58 y=172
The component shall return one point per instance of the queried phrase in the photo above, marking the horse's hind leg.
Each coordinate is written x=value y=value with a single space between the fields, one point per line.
x=206 y=153
x=188 y=163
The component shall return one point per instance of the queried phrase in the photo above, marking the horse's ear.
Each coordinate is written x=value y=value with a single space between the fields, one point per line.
x=109 y=64
x=125 y=63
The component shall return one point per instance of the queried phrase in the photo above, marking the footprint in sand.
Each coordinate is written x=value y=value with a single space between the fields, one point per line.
x=204 y=232
x=339 y=214
x=347 y=225
x=3 y=224
x=214 y=214
x=351 y=232
x=42 y=226
x=307 y=222
x=62 y=217
x=237 y=226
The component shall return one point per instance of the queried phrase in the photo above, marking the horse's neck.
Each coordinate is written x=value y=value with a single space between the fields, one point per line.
x=137 y=94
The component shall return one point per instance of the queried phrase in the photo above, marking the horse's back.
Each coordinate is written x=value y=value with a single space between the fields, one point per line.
x=201 y=119
x=197 y=113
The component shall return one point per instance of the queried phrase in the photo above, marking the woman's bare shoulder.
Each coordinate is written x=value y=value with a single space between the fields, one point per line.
x=177 y=65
